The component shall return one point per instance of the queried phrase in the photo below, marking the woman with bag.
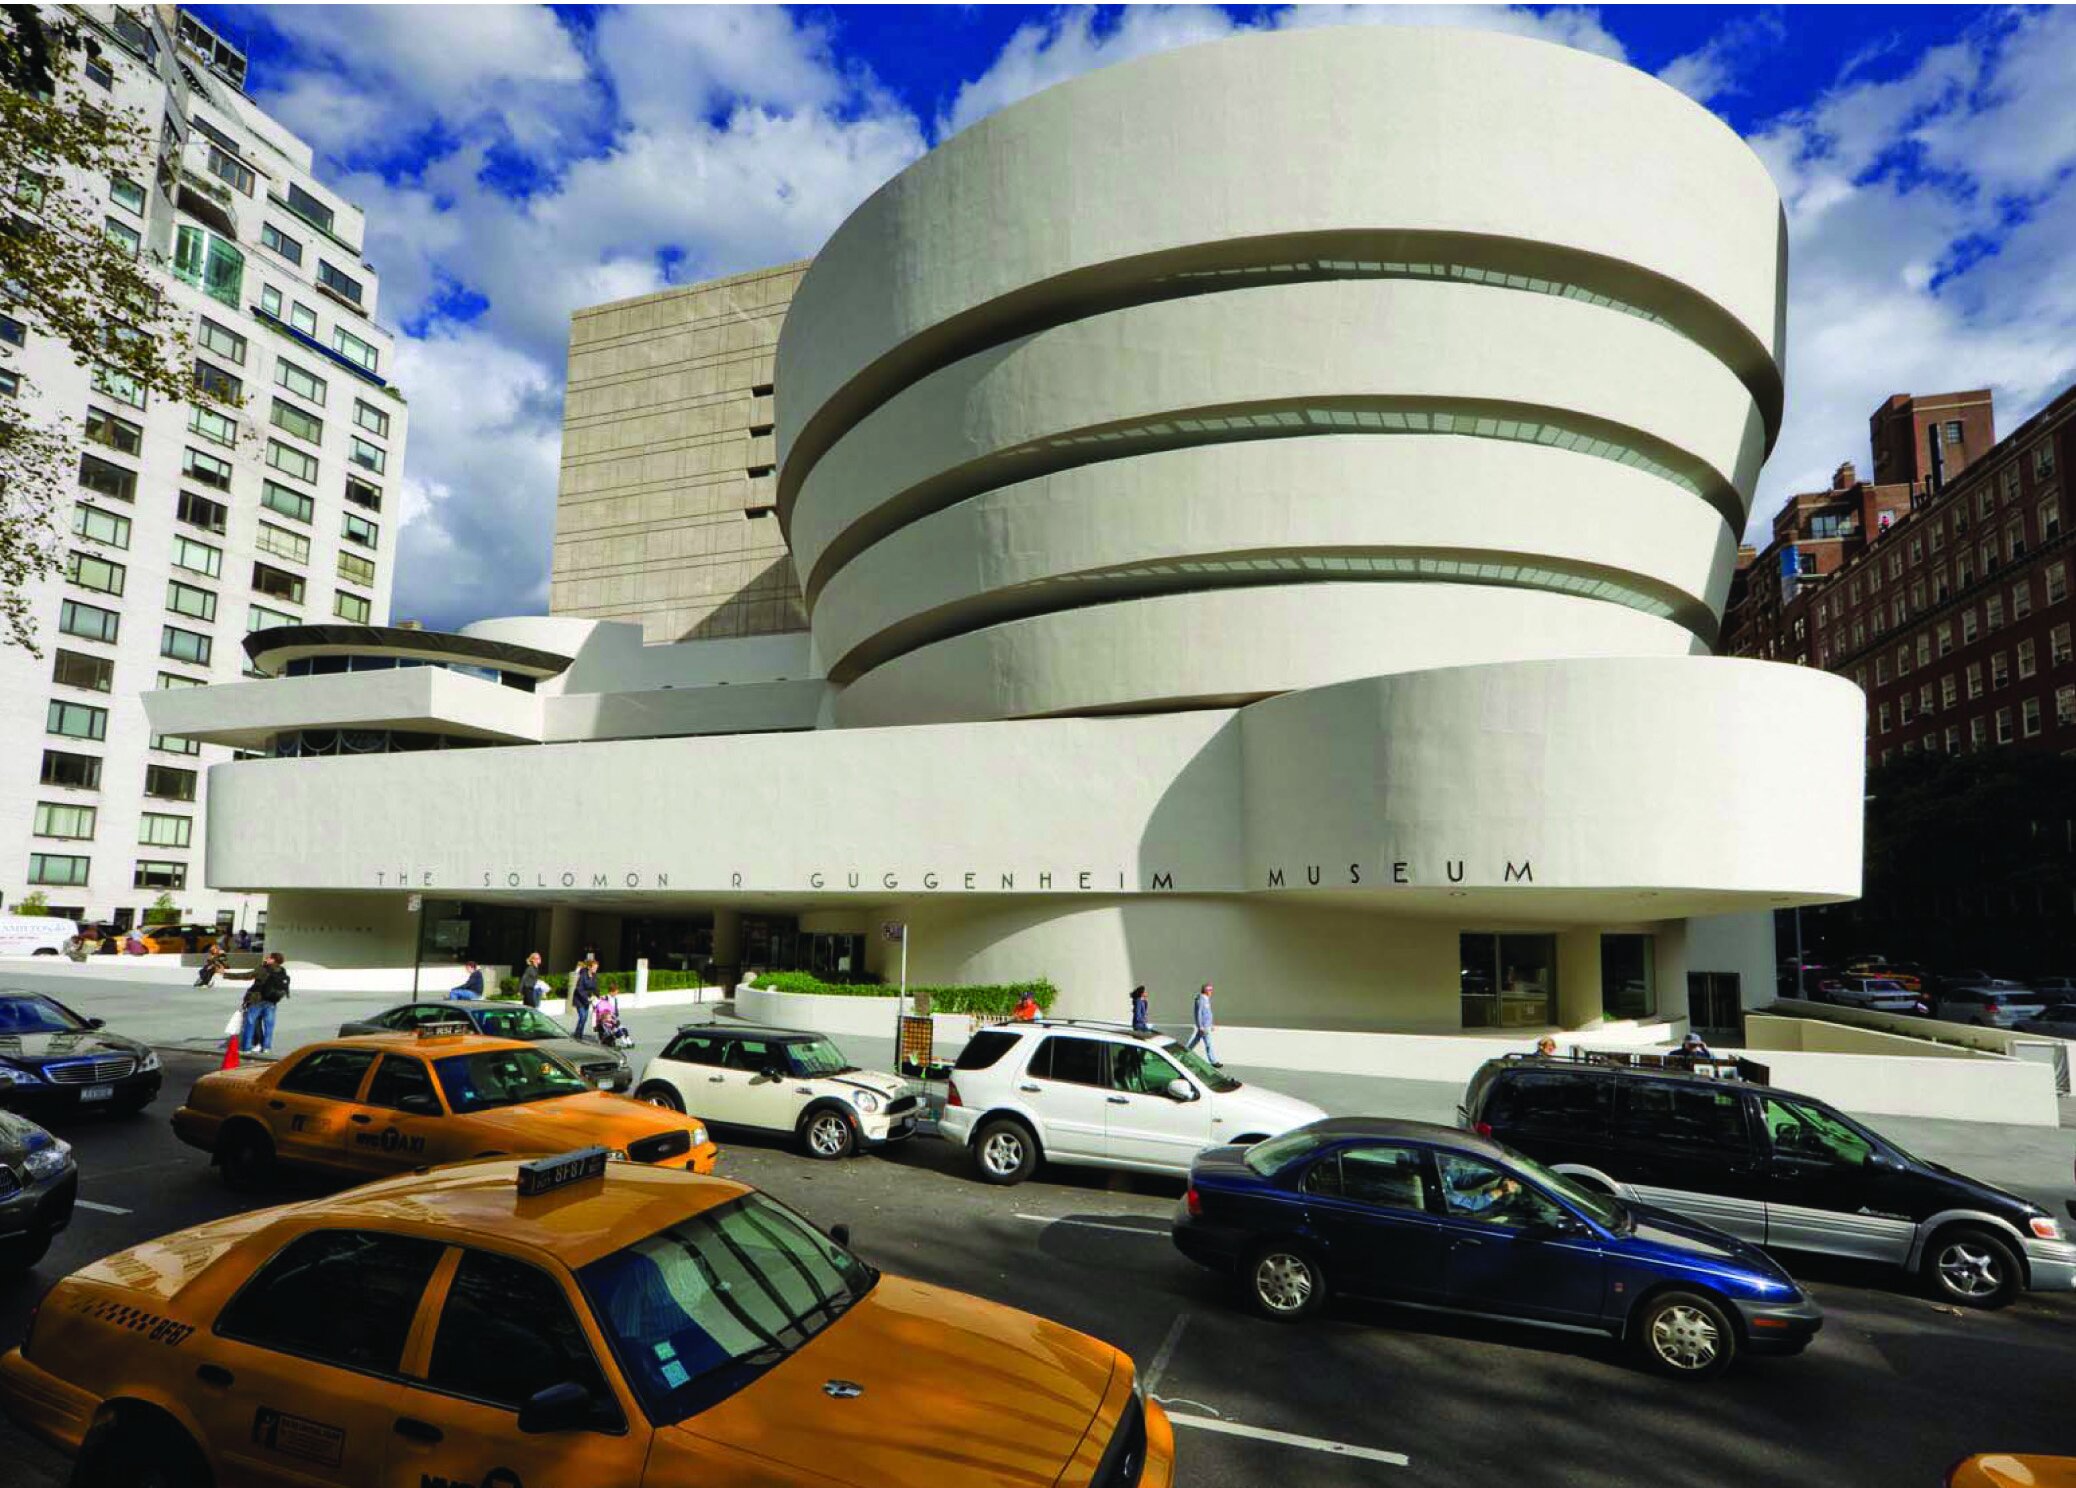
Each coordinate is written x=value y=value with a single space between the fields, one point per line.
x=583 y=991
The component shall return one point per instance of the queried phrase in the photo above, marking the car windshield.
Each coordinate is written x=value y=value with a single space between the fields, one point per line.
x=1278 y=1153
x=26 y=1012
x=517 y=1023
x=1604 y=1209
x=813 y=1057
x=504 y=1077
x=1201 y=1068
x=698 y=1310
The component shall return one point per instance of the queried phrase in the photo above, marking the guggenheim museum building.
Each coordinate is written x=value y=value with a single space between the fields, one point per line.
x=1258 y=514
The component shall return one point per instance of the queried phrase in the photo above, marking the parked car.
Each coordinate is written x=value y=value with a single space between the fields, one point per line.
x=1874 y=993
x=1099 y=1095
x=1881 y=966
x=1986 y=1007
x=181 y=940
x=1402 y=1211
x=602 y=1068
x=1976 y=977
x=2054 y=990
x=779 y=1080
x=38 y=1183
x=1774 y=1168
x=35 y=935
x=53 y=1061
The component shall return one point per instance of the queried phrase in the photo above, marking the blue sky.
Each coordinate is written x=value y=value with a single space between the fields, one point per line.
x=517 y=163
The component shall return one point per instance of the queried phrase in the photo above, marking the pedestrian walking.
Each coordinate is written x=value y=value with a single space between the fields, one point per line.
x=1142 y=1018
x=1205 y=1023
x=530 y=980
x=471 y=988
x=583 y=991
x=262 y=1001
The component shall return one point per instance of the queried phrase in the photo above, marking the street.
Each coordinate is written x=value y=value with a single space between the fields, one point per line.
x=1894 y=1390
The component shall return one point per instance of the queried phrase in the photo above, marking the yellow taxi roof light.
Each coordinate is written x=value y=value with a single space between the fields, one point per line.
x=546 y=1174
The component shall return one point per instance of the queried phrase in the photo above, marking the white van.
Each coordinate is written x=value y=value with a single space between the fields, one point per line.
x=35 y=935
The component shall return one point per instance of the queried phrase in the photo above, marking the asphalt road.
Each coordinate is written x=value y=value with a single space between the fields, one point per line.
x=1895 y=1389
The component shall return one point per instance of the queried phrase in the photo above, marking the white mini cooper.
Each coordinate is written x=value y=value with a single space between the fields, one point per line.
x=771 y=1079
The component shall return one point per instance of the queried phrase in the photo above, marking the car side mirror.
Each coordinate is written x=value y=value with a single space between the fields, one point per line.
x=1181 y=1090
x=563 y=1407
x=97 y=1022
x=419 y=1104
x=841 y=1234
x=771 y=1072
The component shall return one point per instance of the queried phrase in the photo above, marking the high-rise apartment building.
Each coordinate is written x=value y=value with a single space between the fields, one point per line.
x=1926 y=442
x=667 y=514
x=189 y=528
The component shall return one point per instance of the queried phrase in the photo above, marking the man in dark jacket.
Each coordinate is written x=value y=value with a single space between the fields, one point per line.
x=262 y=999
x=471 y=988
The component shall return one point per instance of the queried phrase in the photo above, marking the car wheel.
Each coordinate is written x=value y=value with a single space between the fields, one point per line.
x=245 y=1155
x=1285 y=1283
x=124 y=1453
x=1686 y=1335
x=22 y=1252
x=1973 y=1268
x=1005 y=1151
x=656 y=1093
x=828 y=1135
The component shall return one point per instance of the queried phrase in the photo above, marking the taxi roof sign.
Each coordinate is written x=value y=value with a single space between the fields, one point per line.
x=546 y=1174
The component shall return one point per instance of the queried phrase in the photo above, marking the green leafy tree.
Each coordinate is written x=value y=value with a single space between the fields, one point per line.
x=163 y=911
x=64 y=278
x=35 y=902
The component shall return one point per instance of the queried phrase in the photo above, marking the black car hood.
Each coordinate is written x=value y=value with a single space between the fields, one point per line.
x=85 y=1043
x=1976 y=1191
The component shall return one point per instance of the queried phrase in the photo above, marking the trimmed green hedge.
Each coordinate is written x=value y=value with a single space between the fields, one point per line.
x=616 y=982
x=999 y=1000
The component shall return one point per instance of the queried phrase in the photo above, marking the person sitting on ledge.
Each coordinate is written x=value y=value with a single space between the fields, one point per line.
x=471 y=988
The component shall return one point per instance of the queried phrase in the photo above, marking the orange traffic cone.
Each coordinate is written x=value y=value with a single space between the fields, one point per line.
x=230 y=1053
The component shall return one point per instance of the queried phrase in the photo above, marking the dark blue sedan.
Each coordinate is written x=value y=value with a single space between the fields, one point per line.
x=1432 y=1217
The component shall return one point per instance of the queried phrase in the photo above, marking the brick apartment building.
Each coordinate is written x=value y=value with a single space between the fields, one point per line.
x=1942 y=588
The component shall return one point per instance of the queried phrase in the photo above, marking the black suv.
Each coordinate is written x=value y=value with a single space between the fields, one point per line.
x=1770 y=1167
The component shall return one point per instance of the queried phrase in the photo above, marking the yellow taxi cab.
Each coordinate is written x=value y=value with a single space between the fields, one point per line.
x=2011 y=1470
x=560 y=1321
x=382 y=1104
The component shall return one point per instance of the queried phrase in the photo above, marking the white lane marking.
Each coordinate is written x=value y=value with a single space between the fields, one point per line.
x=1159 y=1366
x=1285 y=1439
x=1091 y=1224
x=99 y=1208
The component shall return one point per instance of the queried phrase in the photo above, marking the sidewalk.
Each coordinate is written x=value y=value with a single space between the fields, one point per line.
x=2028 y=1160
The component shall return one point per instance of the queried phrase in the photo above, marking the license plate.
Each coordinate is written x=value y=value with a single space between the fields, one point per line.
x=97 y=1093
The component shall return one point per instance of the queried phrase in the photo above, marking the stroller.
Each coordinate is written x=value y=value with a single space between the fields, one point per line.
x=605 y=1021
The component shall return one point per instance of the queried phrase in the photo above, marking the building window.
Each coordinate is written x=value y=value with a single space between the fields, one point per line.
x=360 y=493
x=1884 y=716
x=228 y=167
x=373 y=419
x=343 y=285
x=2059 y=648
x=213 y=382
x=186 y=599
x=353 y=348
x=2003 y=725
x=78 y=669
x=1986 y=502
x=2022 y=599
x=56 y=868
x=2027 y=660
x=259 y=617
x=197 y=557
x=274 y=240
x=99 y=73
x=222 y=340
x=1508 y=981
x=2043 y=460
x=277 y=497
x=2015 y=540
x=2000 y=670
x=1953 y=737
x=120 y=435
x=1974 y=679
x=352 y=607
x=200 y=511
x=309 y=208
x=367 y=456
x=217 y=428
x=283 y=543
x=190 y=646
x=1902 y=661
x=1969 y=629
x=10 y=383
x=206 y=470
x=98 y=574
x=213 y=264
x=75 y=720
x=1924 y=699
x=155 y=830
x=175 y=744
x=277 y=583
x=303 y=425
x=360 y=530
x=355 y=569
x=2057 y=582
x=291 y=461
x=1978 y=732
x=168 y=681
x=88 y=622
x=303 y=318
x=106 y=478
x=122 y=235
x=166 y=783
x=1881 y=671
x=2065 y=705
x=1949 y=691
x=1937 y=540
x=1993 y=611
x=1859 y=635
x=120 y=386
x=55 y=818
x=1905 y=709
x=1628 y=977
x=1988 y=552
x=302 y=384
x=154 y=874
x=1924 y=650
x=78 y=771
x=100 y=526
x=2050 y=514
x=270 y=301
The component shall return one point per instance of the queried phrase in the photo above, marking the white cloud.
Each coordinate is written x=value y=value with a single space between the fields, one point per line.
x=1712 y=70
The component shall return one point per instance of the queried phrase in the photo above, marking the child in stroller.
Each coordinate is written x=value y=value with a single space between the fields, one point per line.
x=605 y=1018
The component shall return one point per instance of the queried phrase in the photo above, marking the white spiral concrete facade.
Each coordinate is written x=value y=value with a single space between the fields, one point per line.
x=1419 y=347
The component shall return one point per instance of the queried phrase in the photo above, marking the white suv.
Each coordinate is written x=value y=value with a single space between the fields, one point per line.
x=1099 y=1095
x=775 y=1080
